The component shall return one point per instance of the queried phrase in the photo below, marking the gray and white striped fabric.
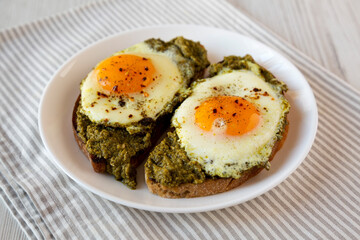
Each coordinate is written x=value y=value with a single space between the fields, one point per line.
x=320 y=200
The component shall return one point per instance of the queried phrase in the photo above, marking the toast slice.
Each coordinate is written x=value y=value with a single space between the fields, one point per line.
x=116 y=131
x=173 y=172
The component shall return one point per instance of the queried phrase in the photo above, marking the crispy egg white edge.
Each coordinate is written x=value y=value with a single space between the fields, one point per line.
x=229 y=156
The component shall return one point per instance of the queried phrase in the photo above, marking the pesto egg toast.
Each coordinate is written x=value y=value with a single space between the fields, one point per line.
x=225 y=132
x=126 y=100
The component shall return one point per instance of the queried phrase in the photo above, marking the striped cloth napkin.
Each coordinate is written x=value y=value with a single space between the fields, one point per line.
x=320 y=200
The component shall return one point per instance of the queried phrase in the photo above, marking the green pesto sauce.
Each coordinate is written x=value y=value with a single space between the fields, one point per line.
x=194 y=53
x=169 y=165
x=115 y=145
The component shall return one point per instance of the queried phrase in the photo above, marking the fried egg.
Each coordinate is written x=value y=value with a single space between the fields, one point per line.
x=133 y=84
x=230 y=122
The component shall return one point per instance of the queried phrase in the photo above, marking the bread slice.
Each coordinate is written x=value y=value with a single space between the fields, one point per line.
x=186 y=178
x=116 y=146
x=209 y=186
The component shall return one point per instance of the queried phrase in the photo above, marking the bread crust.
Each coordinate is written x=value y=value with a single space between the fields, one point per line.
x=209 y=186
x=98 y=164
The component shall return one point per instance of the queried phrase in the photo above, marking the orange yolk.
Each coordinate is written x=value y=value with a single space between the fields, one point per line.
x=235 y=113
x=125 y=74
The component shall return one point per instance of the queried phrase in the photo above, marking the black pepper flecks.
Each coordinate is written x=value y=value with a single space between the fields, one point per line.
x=115 y=88
x=214 y=110
x=102 y=94
x=122 y=103
x=256 y=89
x=130 y=115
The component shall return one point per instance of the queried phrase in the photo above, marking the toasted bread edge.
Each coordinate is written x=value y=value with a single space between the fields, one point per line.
x=98 y=164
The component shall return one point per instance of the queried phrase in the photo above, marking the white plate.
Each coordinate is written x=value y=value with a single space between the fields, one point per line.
x=59 y=97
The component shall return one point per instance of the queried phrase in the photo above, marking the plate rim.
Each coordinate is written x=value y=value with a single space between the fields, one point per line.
x=167 y=209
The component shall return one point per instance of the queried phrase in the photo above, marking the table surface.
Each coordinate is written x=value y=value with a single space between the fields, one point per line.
x=324 y=30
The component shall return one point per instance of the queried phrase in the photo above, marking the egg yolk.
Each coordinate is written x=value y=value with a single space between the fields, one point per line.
x=238 y=115
x=126 y=73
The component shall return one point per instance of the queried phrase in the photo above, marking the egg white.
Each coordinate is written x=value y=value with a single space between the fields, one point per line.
x=137 y=106
x=224 y=155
